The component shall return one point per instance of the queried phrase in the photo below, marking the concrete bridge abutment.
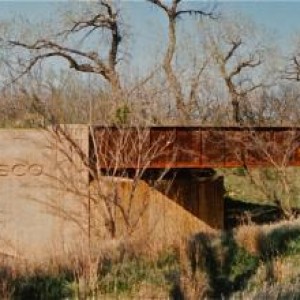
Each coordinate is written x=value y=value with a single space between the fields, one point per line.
x=199 y=191
x=45 y=193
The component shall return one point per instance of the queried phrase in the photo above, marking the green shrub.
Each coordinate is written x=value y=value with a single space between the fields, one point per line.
x=242 y=264
x=127 y=275
x=41 y=286
x=293 y=247
x=280 y=241
x=122 y=115
x=227 y=265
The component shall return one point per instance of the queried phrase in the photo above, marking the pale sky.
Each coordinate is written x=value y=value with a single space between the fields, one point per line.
x=282 y=19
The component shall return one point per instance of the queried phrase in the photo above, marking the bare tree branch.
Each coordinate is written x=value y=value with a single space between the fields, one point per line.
x=160 y=4
x=106 y=67
x=235 y=46
x=292 y=72
x=173 y=13
x=196 y=81
x=230 y=69
x=250 y=63
x=196 y=12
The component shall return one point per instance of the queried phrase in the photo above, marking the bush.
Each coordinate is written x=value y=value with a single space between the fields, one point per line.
x=293 y=247
x=280 y=241
x=42 y=286
x=227 y=265
x=129 y=274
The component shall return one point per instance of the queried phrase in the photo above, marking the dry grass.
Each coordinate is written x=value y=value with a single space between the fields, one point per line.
x=193 y=284
x=118 y=268
x=254 y=237
x=248 y=236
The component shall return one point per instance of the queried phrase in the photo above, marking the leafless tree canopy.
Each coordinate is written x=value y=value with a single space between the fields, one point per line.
x=174 y=13
x=235 y=57
x=105 y=17
x=230 y=75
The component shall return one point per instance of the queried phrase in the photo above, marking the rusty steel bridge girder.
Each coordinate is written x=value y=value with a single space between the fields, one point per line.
x=196 y=147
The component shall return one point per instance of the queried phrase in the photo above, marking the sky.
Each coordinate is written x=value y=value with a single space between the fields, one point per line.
x=281 y=18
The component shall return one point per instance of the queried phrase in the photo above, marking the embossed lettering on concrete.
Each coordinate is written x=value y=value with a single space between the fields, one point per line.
x=18 y=169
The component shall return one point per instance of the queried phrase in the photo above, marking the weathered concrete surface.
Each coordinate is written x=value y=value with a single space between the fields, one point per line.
x=49 y=207
x=200 y=193
x=143 y=215
x=32 y=200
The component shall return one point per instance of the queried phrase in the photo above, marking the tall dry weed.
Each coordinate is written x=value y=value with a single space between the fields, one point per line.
x=249 y=236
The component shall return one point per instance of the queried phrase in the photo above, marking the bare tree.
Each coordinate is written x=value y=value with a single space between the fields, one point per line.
x=291 y=71
x=173 y=12
x=112 y=154
x=103 y=17
x=237 y=60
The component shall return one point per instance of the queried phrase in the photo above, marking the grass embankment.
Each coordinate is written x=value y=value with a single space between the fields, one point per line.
x=263 y=185
x=261 y=195
x=250 y=261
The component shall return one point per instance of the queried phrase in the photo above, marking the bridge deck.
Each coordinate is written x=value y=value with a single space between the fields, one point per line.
x=196 y=147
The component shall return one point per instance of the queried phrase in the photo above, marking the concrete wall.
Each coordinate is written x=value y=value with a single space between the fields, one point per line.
x=33 y=167
x=202 y=196
x=152 y=220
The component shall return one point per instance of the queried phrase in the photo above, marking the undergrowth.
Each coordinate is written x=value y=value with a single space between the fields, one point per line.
x=220 y=265
x=113 y=277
